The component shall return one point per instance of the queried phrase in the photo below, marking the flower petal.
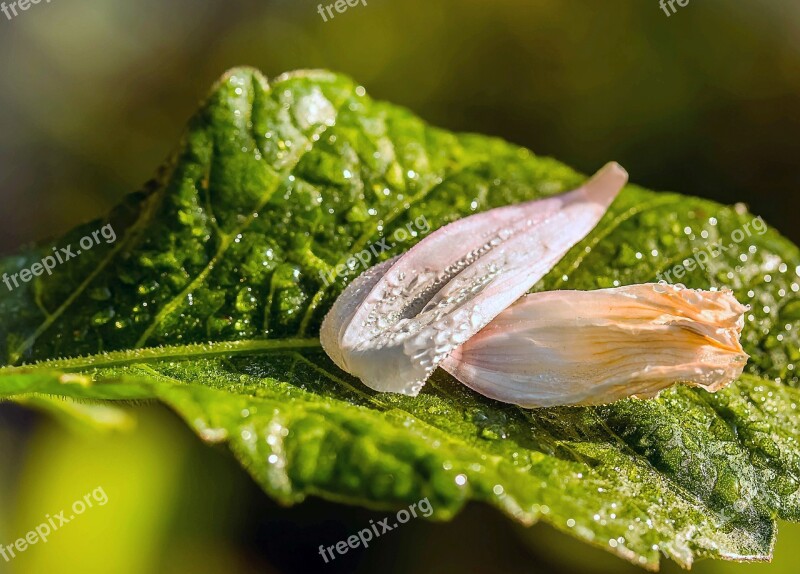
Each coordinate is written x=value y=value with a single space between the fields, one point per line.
x=594 y=347
x=394 y=324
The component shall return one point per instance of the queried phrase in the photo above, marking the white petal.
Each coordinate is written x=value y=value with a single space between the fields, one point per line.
x=392 y=327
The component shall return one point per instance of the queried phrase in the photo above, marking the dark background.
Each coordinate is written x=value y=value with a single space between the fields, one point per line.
x=94 y=94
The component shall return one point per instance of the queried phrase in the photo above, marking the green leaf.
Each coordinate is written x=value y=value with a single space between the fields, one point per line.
x=211 y=297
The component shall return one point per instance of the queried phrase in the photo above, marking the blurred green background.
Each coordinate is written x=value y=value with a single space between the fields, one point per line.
x=94 y=94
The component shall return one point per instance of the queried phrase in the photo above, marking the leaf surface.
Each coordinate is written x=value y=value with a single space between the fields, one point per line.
x=211 y=297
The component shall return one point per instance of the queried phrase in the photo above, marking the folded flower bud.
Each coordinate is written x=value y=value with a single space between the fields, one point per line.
x=594 y=347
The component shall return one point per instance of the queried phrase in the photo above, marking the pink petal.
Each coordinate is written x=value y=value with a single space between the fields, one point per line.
x=394 y=325
x=593 y=347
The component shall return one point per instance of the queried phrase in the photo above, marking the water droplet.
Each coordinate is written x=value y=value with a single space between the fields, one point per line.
x=102 y=317
x=314 y=109
x=245 y=300
x=147 y=287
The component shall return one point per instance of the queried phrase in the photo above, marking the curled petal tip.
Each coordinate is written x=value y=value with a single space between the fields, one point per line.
x=616 y=169
x=606 y=184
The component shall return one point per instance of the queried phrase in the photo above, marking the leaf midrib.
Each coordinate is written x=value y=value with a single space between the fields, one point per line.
x=157 y=354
